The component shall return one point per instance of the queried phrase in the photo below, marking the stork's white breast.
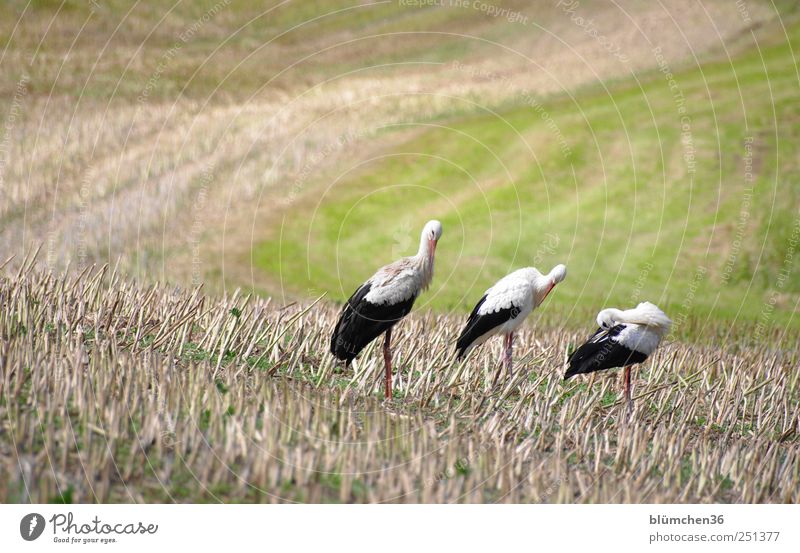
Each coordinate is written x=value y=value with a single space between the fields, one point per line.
x=513 y=290
x=639 y=338
x=390 y=286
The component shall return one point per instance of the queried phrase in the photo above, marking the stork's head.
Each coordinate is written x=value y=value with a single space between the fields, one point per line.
x=547 y=282
x=645 y=314
x=430 y=236
x=608 y=318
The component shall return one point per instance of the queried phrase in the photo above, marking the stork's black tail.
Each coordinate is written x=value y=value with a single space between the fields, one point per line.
x=601 y=352
x=461 y=350
x=361 y=322
x=478 y=325
x=345 y=343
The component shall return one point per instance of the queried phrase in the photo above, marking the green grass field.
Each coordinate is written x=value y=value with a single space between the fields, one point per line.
x=334 y=130
x=644 y=190
x=205 y=182
x=226 y=49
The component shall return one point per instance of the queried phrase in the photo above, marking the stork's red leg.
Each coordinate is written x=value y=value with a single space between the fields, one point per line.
x=628 y=399
x=509 y=348
x=387 y=361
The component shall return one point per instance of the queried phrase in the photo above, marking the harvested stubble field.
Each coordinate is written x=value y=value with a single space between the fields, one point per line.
x=117 y=392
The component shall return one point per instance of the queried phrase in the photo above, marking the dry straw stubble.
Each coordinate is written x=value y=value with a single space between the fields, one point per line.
x=115 y=392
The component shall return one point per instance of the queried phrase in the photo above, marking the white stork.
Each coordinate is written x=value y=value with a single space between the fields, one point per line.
x=504 y=307
x=383 y=300
x=624 y=338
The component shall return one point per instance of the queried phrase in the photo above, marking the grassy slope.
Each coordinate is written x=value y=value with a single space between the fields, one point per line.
x=622 y=201
x=224 y=48
x=486 y=168
x=144 y=95
x=230 y=400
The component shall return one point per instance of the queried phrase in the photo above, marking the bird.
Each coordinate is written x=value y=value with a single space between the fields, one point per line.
x=504 y=307
x=625 y=338
x=385 y=298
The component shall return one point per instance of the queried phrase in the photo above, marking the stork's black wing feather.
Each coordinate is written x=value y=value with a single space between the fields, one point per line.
x=598 y=335
x=478 y=325
x=361 y=322
x=601 y=352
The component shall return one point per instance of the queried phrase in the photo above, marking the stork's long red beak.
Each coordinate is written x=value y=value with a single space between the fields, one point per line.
x=552 y=285
x=431 y=249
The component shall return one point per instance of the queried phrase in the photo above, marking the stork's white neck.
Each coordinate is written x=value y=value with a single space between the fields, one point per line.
x=424 y=261
x=617 y=315
x=645 y=314
x=544 y=284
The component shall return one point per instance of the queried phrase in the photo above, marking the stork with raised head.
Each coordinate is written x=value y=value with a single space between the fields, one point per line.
x=625 y=338
x=504 y=307
x=384 y=299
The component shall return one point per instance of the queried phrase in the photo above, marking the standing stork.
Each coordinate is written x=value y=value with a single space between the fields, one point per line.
x=624 y=338
x=504 y=307
x=383 y=300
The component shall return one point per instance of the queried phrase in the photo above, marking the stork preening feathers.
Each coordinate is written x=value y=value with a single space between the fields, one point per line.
x=504 y=307
x=624 y=338
x=384 y=299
